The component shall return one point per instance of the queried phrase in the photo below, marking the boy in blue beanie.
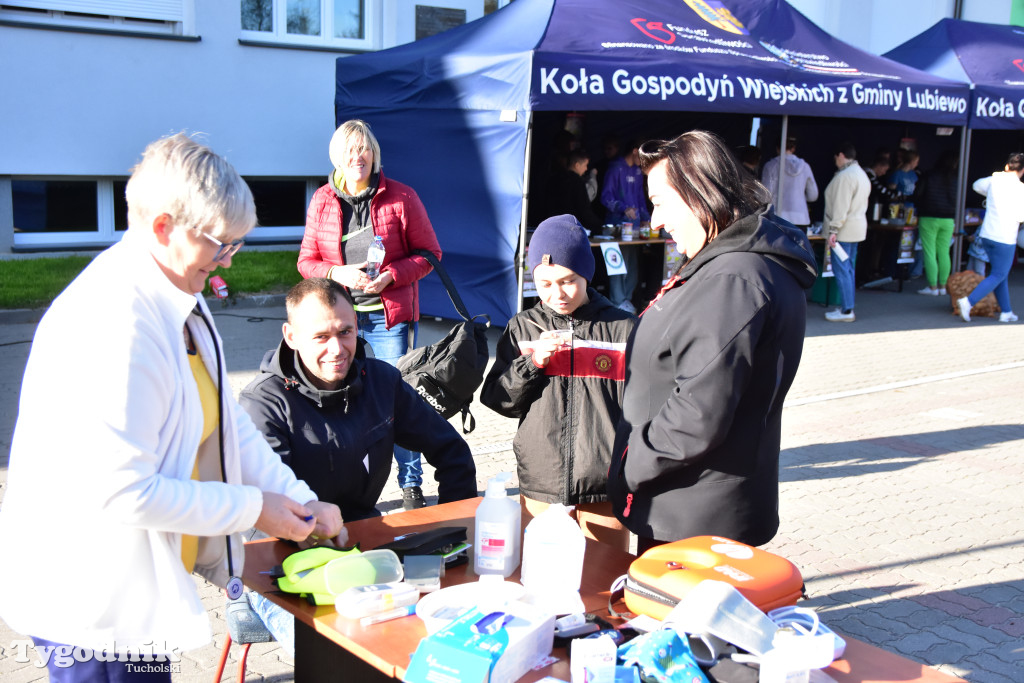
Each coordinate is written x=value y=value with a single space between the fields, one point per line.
x=560 y=368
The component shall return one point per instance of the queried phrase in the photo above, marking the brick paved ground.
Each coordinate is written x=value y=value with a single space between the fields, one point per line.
x=902 y=472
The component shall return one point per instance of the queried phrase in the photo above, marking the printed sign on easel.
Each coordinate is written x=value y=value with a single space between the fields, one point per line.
x=906 y=253
x=613 y=259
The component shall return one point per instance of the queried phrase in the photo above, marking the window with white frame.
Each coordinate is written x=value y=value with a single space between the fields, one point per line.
x=323 y=23
x=67 y=211
x=76 y=211
x=168 y=17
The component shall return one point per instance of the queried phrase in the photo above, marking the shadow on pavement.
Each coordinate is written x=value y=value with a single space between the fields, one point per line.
x=888 y=453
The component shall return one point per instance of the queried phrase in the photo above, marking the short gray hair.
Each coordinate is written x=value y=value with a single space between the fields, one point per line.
x=191 y=183
x=349 y=132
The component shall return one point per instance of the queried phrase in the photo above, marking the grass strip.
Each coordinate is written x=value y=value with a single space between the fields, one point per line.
x=35 y=282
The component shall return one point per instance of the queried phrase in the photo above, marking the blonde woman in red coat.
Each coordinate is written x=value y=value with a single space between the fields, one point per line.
x=357 y=204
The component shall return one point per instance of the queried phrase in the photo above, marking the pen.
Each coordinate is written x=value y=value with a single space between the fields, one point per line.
x=396 y=613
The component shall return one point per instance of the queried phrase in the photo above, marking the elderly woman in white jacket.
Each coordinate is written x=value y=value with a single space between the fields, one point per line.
x=131 y=463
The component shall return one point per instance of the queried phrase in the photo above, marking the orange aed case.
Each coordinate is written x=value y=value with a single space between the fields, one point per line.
x=658 y=579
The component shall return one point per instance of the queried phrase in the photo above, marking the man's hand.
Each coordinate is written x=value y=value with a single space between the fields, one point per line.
x=631 y=213
x=352 y=276
x=378 y=285
x=284 y=518
x=833 y=239
x=328 y=522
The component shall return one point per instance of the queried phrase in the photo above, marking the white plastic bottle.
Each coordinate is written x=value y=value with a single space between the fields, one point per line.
x=498 y=524
x=553 y=549
x=374 y=257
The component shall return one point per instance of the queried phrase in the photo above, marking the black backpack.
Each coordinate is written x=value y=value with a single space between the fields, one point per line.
x=445 y=374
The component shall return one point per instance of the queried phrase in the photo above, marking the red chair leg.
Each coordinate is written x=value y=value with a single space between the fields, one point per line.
x=223 y=658
x=241 y=663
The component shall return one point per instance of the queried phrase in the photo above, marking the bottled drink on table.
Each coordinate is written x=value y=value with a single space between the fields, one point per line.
x=374 y=257
x=498 y=519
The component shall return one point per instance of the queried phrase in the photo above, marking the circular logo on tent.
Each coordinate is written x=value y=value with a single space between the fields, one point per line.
x=735 y=552
x=613 y=258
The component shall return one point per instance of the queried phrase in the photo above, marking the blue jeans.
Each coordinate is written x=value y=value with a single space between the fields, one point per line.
x=278 y=621
x=389 y=346
x=1000 y=258
x=64 y=668
x=845 y=272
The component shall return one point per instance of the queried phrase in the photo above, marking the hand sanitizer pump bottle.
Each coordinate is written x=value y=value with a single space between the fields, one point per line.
x=498 y=524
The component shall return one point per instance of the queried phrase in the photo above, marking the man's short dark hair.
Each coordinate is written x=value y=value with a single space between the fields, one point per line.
x=790 y=142
x=327 y=291
x=749 y=154
x=1015 y=161
x=847 y=150
x=576 y=156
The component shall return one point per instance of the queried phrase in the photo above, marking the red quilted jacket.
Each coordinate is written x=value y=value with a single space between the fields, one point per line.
x=399 y=218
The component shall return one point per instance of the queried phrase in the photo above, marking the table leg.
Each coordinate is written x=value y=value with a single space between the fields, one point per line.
x=318 y=659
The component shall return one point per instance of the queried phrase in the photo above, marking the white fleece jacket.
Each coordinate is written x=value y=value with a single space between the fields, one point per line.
x=99 y=483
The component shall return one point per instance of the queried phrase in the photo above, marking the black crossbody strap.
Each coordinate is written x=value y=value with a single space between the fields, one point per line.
x=453 y=294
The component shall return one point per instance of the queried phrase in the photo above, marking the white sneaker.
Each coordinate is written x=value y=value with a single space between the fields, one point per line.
x=837 y=316
x=1007 y=317
x=965 y=308
x=942 y=291
x=928 y=291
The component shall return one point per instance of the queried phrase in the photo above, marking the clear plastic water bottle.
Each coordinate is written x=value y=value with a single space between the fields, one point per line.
x=374 y=257
x=498 y=524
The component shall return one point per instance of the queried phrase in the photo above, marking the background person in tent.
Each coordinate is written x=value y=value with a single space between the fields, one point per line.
x=935 y=197
x=1004 y=212
x=709 y=364
x=846 y=222
x=568 y=194
x=357 y=204
x=623 y=196
x=144 y=463
x=798 y=186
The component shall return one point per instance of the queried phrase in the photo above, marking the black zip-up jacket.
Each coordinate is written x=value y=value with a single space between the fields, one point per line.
x=568 y=410
x=935 y=194
x=342 y=442
x=708 y=369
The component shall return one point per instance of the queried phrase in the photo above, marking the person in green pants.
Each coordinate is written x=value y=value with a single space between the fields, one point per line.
x=936 y=195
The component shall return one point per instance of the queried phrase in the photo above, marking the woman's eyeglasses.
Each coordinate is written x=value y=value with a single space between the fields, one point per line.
x=224 y=250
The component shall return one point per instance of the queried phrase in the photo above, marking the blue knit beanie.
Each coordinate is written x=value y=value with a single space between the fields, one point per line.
x=561 y=241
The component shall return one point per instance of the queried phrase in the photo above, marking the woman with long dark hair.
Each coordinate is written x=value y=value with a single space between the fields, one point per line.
x=711 y=360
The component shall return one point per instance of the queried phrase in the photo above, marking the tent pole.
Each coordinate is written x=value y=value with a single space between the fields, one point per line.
x=784 y=136
x=961 y=198
x=521 y=253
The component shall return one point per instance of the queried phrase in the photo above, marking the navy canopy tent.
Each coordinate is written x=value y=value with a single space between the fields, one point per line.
x=452 y=112
x=990 y=56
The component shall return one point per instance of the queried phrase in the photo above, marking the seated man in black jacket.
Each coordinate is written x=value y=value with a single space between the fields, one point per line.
x=335 y=415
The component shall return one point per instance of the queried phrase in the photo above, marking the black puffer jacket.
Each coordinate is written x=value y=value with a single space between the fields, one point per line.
x=567 y=411
x=708 y=369
x=935 y=194
x=342 y=442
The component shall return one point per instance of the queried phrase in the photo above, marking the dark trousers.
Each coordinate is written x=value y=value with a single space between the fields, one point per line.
x=63 y=667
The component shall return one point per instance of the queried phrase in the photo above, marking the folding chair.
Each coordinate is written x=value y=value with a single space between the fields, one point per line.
x=245 y=628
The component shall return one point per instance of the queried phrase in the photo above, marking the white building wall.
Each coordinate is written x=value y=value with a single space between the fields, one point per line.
x=880 y=25
x=81 y=105
x=87 y=104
